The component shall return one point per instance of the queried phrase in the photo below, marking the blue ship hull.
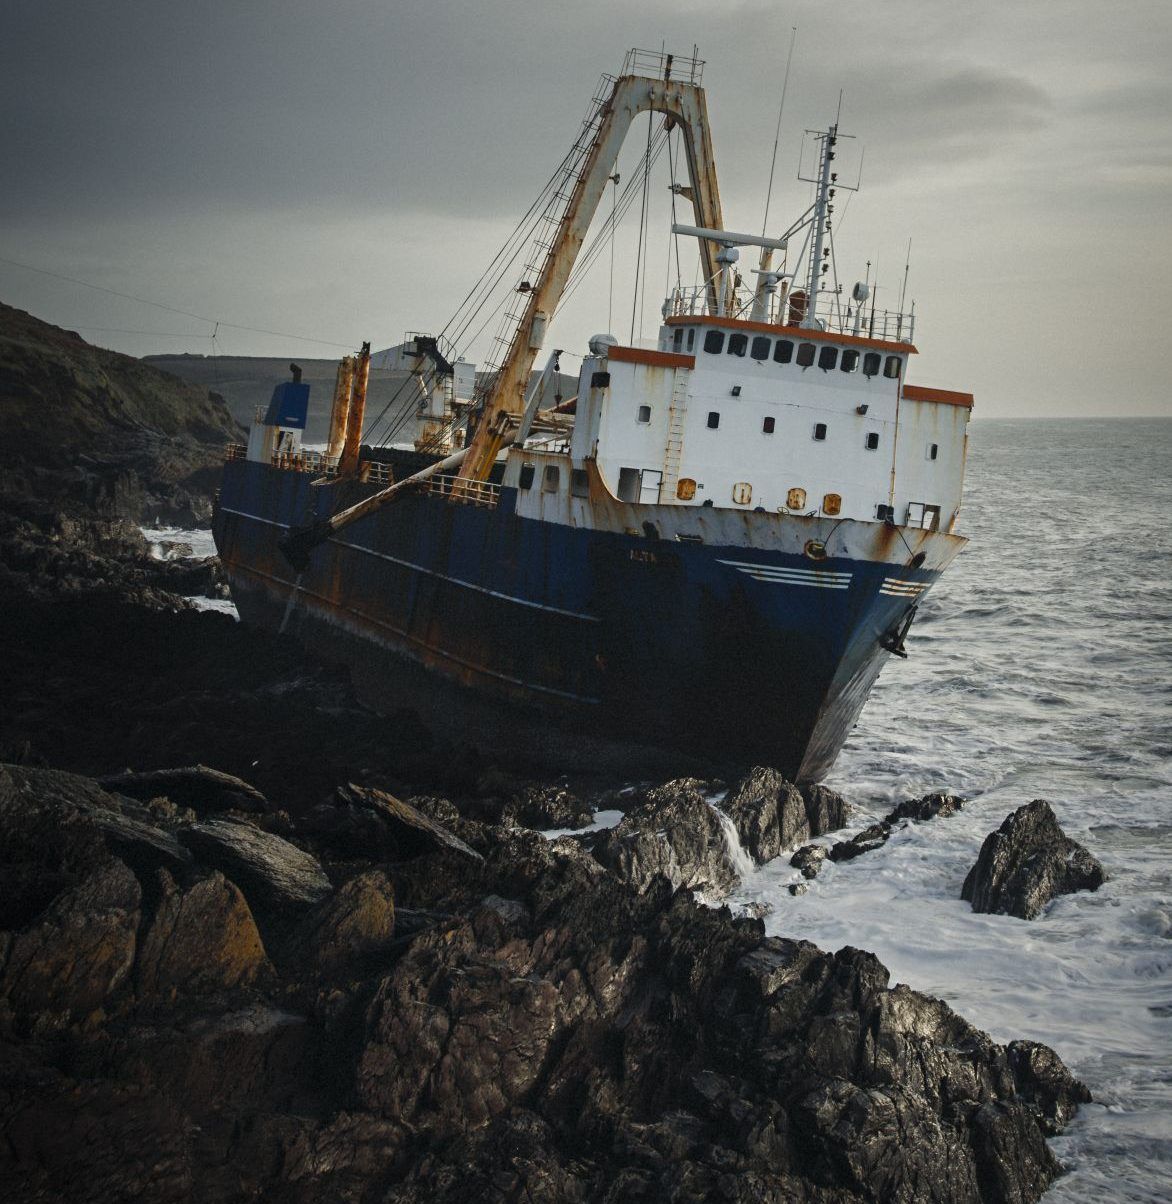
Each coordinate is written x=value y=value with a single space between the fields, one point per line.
x=729 y=648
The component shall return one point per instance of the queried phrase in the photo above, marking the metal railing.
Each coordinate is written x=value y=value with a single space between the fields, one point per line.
x=832 y=315
x=479 y=493
x=655 y=63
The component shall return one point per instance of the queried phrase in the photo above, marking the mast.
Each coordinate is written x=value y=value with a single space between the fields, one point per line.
x=683 y=103
x=821 y=224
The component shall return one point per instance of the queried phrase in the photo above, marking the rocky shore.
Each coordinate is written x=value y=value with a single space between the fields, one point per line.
x=343 y=963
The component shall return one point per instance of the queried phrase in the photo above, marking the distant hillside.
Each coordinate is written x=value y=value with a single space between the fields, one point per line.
x=84 y=424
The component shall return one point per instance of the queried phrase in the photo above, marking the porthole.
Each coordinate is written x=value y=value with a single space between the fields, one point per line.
x=795 y=499
x=831 y=504
x=685 y=489
x=742 y=493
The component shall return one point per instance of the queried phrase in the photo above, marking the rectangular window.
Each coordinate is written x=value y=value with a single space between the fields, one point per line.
x=783 y=351
x=872 y=440
x=872 y=362
x=714 y=342
x=691 y=338
x=738 y=344
x=885 y=514
x=760 y=348
x=850 y=360
x=767 y=426
x=820 y=430
x=827 y=358
x=805 y=354
x=892 y=366
x=677 y=338
x=525 y=481
x=551 y=479
x=643 y=414
x=713 y=420
x=933 y=449
x=629 y=482
x=579 y=483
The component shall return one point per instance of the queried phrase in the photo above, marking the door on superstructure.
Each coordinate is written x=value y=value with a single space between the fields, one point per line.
x=649 y=485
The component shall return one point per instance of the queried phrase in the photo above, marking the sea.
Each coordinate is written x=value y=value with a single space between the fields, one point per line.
x=1039 y=667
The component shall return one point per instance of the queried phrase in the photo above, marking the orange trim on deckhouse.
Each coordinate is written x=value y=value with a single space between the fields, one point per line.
x=657 y=359
x=792 y=332
x=944 y=397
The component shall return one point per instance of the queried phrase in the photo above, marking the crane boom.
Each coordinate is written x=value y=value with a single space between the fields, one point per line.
x=683 y=103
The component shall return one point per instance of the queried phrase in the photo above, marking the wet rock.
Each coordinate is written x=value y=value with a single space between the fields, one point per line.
x=772 y=814
x=674 y=833
x=356 y=921
x=202 y=789
x=69 y=962
x=1026 y=863
x=809 y=859
x=931 y=806
x=1052 y=1092
x=199 y=940
x=826 y=809
x=797 y=888
x=872 y=837
x=546 y=807
x=271 y=871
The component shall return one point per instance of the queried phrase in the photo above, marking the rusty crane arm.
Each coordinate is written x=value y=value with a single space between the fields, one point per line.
x=683 y=104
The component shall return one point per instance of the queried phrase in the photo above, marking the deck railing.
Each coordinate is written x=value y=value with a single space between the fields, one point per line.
x=479 y=493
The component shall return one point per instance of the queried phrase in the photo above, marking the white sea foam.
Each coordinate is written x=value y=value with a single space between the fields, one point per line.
x=199 y=539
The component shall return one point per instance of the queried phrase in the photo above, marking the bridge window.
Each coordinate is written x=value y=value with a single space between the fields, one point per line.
x=872 y=362
x=525 y=481
x=892 y=367
x=767 y=425
x=805 y=354
x=850 y=360
x=714 y=342
x=827 y=358
x=713 y=420
x=783 y=351
x=872 y=440
x=551 y=479
x=820 y=431
x=738 y=344
x=643 y=414
x=760 y=347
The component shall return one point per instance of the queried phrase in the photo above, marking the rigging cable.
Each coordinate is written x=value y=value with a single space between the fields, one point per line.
x=777 y=135
x=642 y=228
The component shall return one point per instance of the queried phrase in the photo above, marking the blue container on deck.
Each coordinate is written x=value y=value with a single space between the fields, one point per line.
x=289 y=405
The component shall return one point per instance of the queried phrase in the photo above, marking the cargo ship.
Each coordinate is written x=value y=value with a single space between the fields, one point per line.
x=715 y=543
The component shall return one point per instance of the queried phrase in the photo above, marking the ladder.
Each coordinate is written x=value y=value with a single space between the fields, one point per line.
x=674 y=448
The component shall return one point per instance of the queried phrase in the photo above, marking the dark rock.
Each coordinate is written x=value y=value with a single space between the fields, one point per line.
x=1026 y=863
x=798 y=888
x=1045 y=1084
x=546 y=807
x=809 y=859
x=674 y=833
x=931 y=806
x=67 y=964
x=361 y=819
x=202 y=789
x=772 y=814
x=271 y=871
x=199 y=940
x=872 y=837
x=356 y=921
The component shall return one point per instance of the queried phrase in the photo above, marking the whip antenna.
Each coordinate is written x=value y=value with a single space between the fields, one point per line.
x=777 y=135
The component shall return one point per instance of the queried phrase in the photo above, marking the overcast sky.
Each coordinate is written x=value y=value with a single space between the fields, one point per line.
x=345 y=170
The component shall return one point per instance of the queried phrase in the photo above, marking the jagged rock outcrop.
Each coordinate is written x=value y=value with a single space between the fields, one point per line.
x=547 y=807
x=875 y=836
x=673 y=833
x=1027 y=862
x=530 y=1027
x=772 y=814
x=272 y=872
x=809 y=859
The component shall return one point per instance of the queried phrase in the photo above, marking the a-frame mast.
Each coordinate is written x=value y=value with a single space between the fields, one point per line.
x=683 y=103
